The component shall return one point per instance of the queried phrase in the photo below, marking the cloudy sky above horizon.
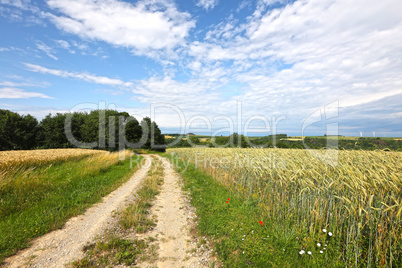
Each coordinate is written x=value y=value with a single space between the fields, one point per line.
x=213 y=65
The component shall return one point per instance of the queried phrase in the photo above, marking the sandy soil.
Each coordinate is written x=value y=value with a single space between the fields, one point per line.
x=177 y=248
x=63 y=246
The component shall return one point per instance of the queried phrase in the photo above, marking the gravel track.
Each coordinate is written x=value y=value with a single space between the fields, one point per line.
x=175 y=216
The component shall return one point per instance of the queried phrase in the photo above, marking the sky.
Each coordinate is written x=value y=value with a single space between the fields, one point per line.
x=257 y=67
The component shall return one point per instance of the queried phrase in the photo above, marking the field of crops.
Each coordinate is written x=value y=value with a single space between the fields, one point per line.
x=41 y=189
x=10 y=159
x=355 y=196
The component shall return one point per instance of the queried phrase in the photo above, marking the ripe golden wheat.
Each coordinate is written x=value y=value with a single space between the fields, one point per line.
x=355 y=194
x=39 y=157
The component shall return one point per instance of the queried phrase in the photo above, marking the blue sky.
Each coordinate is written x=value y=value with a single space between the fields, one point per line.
x=209 y=66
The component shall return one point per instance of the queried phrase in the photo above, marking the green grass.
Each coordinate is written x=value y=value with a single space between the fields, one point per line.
x=113 y=249
x=239 y=238
x=46 y=197
x=136 y=215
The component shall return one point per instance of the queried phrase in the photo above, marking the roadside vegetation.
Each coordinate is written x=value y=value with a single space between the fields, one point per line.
x=119 y=245
x=284 y=141
x=294 y=208
x=38 y=197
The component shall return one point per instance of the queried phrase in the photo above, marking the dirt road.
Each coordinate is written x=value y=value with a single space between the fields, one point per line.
x=63 y=246
x=175 y=217
x=174 y=214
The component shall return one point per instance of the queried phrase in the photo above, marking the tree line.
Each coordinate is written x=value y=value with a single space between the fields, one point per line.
x=99 y=129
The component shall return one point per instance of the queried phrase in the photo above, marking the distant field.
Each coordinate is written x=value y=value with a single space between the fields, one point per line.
x=298 y=137
x=355 y=195
x=335 y=137
x=292 y=139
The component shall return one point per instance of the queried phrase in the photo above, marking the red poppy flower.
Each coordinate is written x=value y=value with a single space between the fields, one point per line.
x=262 y=224
x=227 y=201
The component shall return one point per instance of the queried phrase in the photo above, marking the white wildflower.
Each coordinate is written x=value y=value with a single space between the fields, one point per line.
x=302 y=252
x=309 y=252
x=330 y=234
x=318 y=245
x=321 y=251
x=324 y=230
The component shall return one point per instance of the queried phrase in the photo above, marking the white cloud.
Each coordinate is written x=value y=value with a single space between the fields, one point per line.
x=16 y=3
x=396 y=115
x=21 y=84
x=49 y=51
x=37 y=111
x=207 y=4
x=81 y=76
x=13 y=11
x=294 y=60
x=3 y=49
x=300 y=57
x=144 y=27
x=196 y=96
x=288 y=57
x=16 y=93
x=244 y=4
x=64 y=44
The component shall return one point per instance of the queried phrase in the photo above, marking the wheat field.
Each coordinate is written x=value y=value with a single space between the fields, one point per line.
x=355 y=195
x=19 y=167
x=9 y=159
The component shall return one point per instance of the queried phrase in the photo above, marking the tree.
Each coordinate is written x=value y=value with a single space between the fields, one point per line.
x=133 y=130
x=96 y=129
x=154 y=138
x=221 y=141
x=237 y=140
x=28 y=132
x=17 y=132
x=194 y=139
x=51 y=133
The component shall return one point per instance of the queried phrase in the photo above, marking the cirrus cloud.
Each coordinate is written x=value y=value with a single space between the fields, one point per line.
x=81 y=76
x=16 y=93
